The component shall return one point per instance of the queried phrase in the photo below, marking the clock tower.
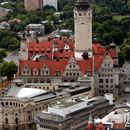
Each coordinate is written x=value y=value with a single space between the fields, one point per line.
x=83 y=26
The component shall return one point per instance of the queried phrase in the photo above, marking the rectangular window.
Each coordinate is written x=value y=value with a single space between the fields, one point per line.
x=107 y=86
x=100 y=80
x=101 y=86
x=107 y=80
x=111 y=80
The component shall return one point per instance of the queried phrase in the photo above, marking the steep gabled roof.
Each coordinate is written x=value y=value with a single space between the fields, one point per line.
x=53 y=65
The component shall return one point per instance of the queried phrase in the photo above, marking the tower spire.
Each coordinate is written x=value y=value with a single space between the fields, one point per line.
x=90 y=123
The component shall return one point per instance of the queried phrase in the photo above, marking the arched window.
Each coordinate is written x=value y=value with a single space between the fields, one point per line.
x=80 y=14
x=6 y=114
x=6 y=120
x=16 y=114
x=16 y=120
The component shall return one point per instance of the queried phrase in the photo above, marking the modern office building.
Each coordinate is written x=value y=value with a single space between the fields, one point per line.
x=73 y=113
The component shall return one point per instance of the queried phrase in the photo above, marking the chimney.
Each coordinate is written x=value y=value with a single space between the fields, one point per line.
x=37 y=41
x=49 y=39
x=37 y=59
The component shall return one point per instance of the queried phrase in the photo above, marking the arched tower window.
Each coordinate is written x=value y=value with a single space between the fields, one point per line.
x=16 y=120
x=6 y=120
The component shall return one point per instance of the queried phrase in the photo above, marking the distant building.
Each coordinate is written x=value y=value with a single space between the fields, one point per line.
x=33 y=4
x=106 y=78
x=4 y=12
x=4 y=25
x=72 y=113
x=53 y=3
x=118 y=119
x=39 y=29
x=62 y=66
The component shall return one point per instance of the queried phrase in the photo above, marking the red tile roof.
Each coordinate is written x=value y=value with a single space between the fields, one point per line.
x=38 y=48
x=99 y=54
x=53 y=65
x=98 y=49
x=85 y=65
x=119 y=126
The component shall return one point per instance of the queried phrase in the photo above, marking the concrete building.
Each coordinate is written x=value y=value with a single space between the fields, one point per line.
x=72 y=113
x=83 y=26
x=22 y=102
x=119 y=118
x=53 y=3
x=33 y=4
x=107 y=78
x=125 y=78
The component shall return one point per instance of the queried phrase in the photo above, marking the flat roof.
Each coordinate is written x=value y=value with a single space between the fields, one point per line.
x=29 y=92
x=73 y=89
x=66 y=107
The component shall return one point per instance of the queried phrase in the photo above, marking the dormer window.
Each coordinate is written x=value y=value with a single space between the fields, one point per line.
x=42 y=51
x=26 y=67
x=57 y=73
x=48 y=51
x=35 y=72
x=45 y=70
x=26 y=72
x=72 y=61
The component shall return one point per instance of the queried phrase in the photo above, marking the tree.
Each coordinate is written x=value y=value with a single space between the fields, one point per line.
x=48 y=28
x=121 y=58
x=8 y=69
x=6 y=42
x=107 y=38
x=53 y=18
x=3 y=53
